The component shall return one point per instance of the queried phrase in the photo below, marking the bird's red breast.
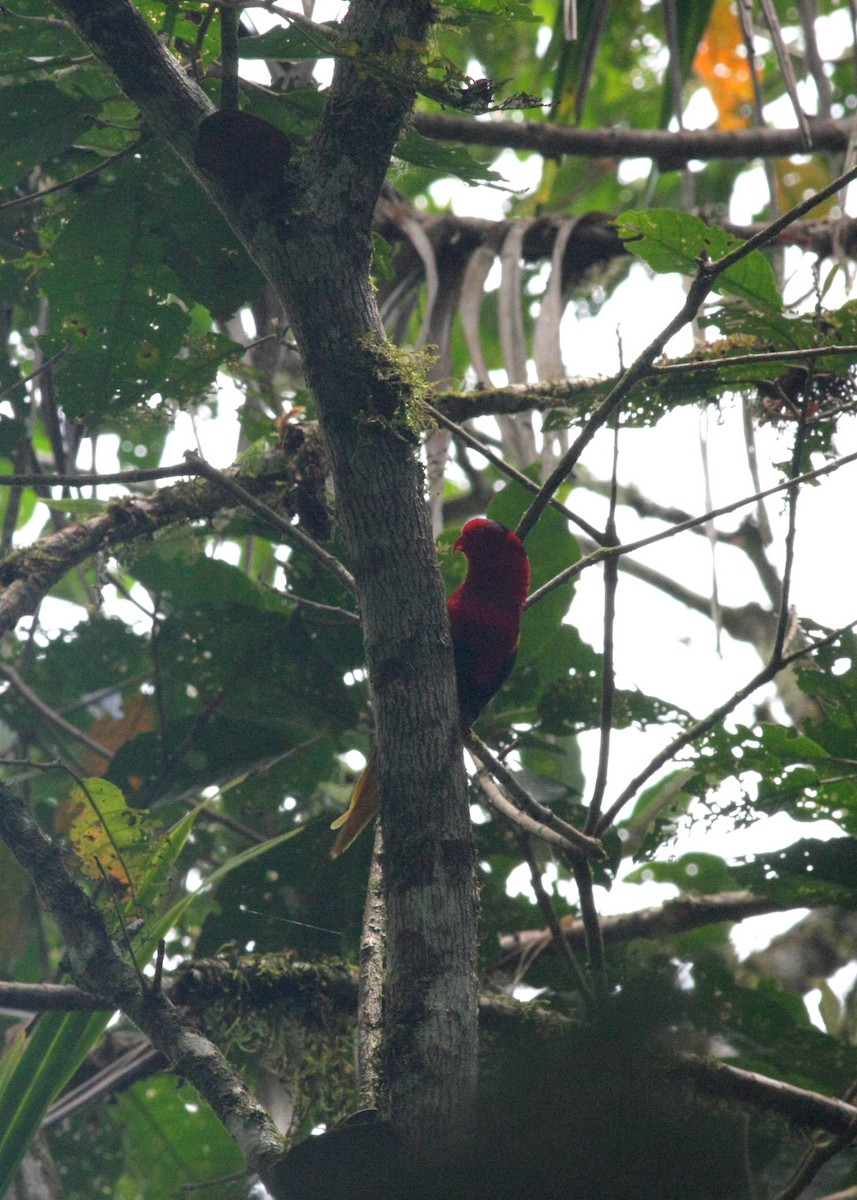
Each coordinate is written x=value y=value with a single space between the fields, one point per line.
x=485 y=612
x=485 y=621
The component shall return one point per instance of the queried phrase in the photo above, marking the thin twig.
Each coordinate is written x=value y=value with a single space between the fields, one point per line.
x=216 y=817
x=107 y=880
x=342 y=614
x=783 y=616
x=604 y=552
x=785 y=63
x=608 y=669
x=804 y=1108
x=52 y=764
x=560 y=941
x=143 y=475
x=229 y=89
x=741 y=360
x=679 y=915
x=698 y=728
x=819 y=1153
x=50 y=715
x=22 y=383
x=50 y=997
x=707 y=275
x=31 y=197
x=591 y=925
x=520 y=821
x=47 y=22
x=571 y=839
x=291 y=533
x=507 y=469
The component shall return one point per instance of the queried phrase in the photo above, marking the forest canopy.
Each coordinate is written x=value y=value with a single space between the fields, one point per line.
x=288 y=295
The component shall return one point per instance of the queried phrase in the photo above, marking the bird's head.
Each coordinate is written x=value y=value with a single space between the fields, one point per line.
x=483 y=536
x=496 y=559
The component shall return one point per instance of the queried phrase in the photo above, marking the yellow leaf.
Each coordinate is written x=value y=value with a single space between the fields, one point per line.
x=109 y=838
x=721 y=63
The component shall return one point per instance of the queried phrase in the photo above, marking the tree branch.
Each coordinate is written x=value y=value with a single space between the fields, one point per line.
x=565 y=835
x=98 y=967
x=50 y=997
x=598 y=555
x=664 y=920
x=670 y=149
x=557 y=938
x=289 y=531
x=808 y=1110
x=771 y=669
x=364 y=392
x=28 y=574
x=49 y=715
x=707 y=274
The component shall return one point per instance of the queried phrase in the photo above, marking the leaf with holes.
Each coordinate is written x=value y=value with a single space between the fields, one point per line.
x=111 y=840
x=113 y=307
x=672 y=241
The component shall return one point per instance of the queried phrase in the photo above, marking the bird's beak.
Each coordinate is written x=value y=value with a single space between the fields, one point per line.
x=459 y=545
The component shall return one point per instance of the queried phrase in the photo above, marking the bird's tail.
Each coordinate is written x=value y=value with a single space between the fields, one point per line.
x=361 y=810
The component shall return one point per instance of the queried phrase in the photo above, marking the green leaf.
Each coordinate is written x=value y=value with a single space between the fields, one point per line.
x=30 y=40
x=12 y=433
x=111 y=304
x=830 y=1009
x=672 y=241
x=808 y=873
x=157 y=1116
x=697 y=872
x=466 y=12
x=413 y=147
x=551 y=548
x=160 y=926
x=83 y=506
x=658 y=807
x=31 y=1077
x=210 y=265
x=772 y=1029
x=34 y=1076
x=293 y=43
x=39 y=121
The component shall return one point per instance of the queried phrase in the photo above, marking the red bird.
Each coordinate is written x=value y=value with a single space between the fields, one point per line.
x=485 y=619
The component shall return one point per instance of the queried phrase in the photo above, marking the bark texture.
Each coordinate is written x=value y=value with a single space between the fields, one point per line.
x=315 y=249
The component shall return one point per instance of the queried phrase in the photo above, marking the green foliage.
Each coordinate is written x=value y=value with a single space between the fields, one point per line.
x=32 y=39
x=443 y=160
x=670 y=241
x=228 y=712
x=292 y=42
x=41 y=121
x=43 y=1059
x=118 y=324
x=157 y=1138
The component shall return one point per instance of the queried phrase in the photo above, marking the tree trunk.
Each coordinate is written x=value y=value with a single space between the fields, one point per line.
x=316 y=253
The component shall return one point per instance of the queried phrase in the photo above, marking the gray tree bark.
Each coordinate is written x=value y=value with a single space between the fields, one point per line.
x=315 y=249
